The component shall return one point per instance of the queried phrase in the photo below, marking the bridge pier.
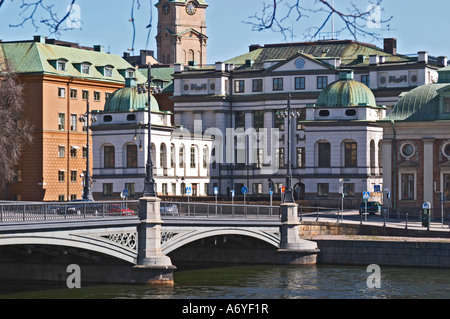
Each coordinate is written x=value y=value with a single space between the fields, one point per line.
x=152 y=266
x=294 y=250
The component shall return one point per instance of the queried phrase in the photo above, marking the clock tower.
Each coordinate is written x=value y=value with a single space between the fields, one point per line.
x=181 y=34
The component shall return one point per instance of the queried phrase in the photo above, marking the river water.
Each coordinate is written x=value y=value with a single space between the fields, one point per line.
x=262 y=282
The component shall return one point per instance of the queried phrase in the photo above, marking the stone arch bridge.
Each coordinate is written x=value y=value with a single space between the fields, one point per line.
x=135 y=232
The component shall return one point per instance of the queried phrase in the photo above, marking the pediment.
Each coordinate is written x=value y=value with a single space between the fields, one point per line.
x=191 y=33
x=445 y=164
x=301 y=62
x=408 y=164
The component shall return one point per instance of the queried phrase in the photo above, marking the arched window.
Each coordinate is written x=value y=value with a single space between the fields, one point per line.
x=324 y=152
x=351 y=154
x=205 y=157
x=162 y=156
x=109 y=155
x=193 y=159
x=131 y=156
x=372 y=157
x=172 y=156
x=181 y=156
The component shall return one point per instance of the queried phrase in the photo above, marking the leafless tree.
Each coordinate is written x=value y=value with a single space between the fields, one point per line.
x=275 y=15
x=15 y=132
x=361 y=20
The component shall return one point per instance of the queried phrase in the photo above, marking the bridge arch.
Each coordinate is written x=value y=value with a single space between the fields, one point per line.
x=99 y=245
x=177 y=240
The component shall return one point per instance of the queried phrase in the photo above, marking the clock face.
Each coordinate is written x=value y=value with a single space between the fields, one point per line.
x=166 y=8
x=300 y=64
x=191 y=8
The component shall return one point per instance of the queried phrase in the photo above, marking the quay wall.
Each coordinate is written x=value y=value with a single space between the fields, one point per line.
x=354 y=244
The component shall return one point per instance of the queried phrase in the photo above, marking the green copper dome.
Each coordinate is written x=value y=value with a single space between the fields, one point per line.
x=424 y=102
x=128 y=99
x=346 y=92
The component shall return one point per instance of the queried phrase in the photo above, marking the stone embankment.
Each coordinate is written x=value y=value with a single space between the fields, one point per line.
x=355 y=244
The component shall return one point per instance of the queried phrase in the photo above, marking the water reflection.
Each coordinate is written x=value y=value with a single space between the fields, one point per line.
x=266 y=282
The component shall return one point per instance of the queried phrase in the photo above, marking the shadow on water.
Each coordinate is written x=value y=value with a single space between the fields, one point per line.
x=258 y=282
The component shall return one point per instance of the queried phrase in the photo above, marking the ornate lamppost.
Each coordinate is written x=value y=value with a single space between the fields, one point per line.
x=87 y=118
x=149 y=181
x=289 y=114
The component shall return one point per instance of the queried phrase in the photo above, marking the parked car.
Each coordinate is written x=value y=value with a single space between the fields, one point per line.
x=76 y=206
x=372 y=208
x=168 y=209
x=120 y=209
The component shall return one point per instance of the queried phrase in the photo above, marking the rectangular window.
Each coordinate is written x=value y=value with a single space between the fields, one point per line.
x=349 y=189
x=61 y=92
x=61 y=121
x=73 y=93
x=239 y=119
x=85 y=94
x=85 y=68
x=61 y=176
x=96 y=96
x=131 y=189
x=183 y=188
x=61 y=151
x=84 y=151
x=108 y=72
x=131 y=156
x=174 y=189
x=181 y=157
x=73 y=176
x=107 y=189
x=107 y=95
x=73 y=152
x=258 y=120
x=257 y=85
x=73 y=122
x=73 y=197
x=300 y=157
x=324 y=154
x=446 y=178
x=322 y=82
x=61 y=198
x=206 y=188
x=256 y=188
x=279 y=121
x=61 y=66
x=300 y=119
x=323 y=189
x=278 y=84
x=239 y=86
x=164 y=188
x=407 y=191
x=365 y=79
x=300 y=83
x=279 y=153
x=350 y=154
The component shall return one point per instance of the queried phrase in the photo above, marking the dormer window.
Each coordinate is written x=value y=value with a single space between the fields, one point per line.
x=108 y=72
x=85 y=68
x=61 y=65
x=130 y=74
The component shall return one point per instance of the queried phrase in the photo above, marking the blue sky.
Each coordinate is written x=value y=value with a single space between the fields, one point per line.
x=417 y=25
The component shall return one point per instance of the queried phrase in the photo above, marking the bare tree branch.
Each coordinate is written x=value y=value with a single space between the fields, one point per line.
x=353 y=20
x=15 y=132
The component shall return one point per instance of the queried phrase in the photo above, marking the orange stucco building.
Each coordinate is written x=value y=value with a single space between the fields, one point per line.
x=59 y=80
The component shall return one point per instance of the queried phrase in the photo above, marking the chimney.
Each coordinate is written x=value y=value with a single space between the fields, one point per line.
x=390 y=46
x=254 y=47
x=99 y=48
x=39 y=39
x=422 y=56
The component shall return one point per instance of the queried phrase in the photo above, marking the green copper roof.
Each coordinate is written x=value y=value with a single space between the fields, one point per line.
x=423 y=103
x=346 y=92
x=40 y=58
x=128 y=99
x=351 y=53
